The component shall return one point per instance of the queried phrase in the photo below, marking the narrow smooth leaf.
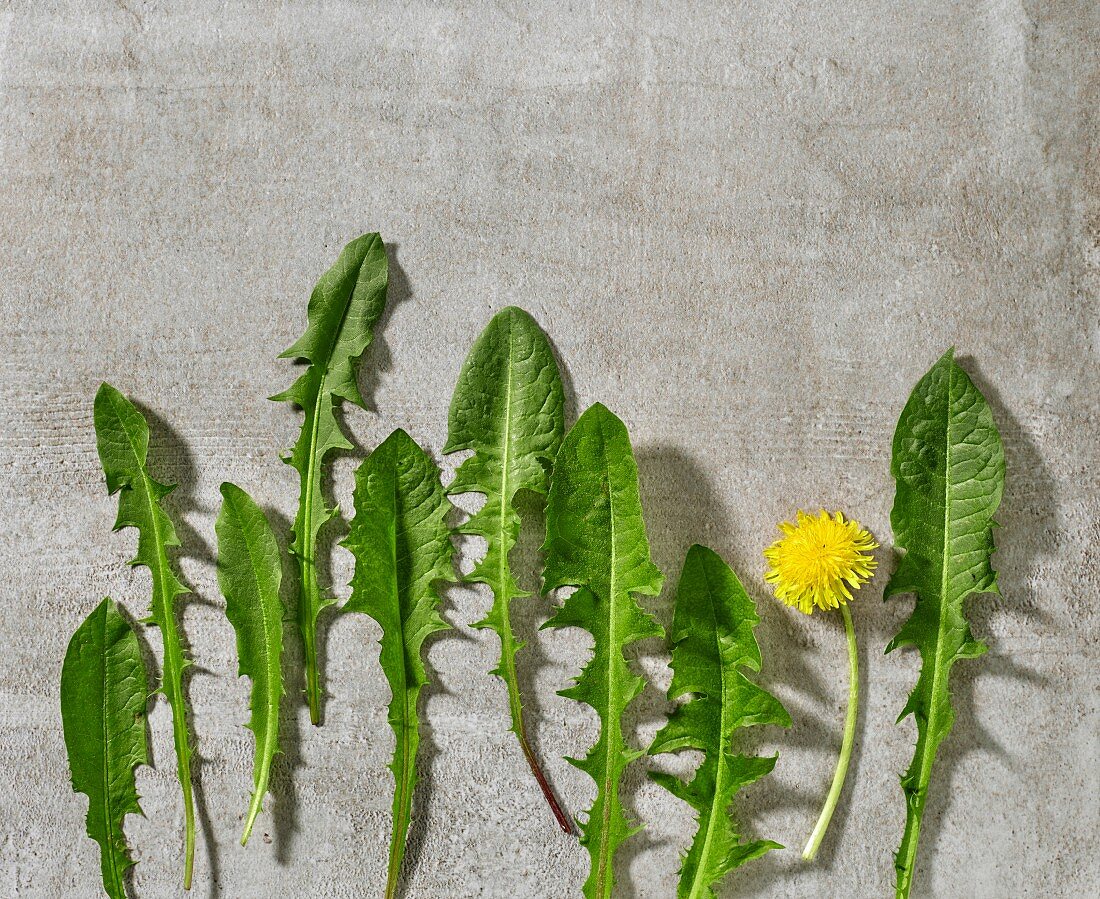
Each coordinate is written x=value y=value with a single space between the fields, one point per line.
x=103 y=695
x=712 y=640
x=596 y=541
x=249 y=574
x=508 y=408
x=343 y=310
x=402 y=547
x=949 y=466
x=122 y=438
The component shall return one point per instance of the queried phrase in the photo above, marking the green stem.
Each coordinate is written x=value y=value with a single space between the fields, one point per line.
x=907 y=855
x=404 y=769
x=308 y=624
x=845 y=747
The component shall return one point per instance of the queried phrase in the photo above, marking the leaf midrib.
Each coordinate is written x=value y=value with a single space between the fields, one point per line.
x=313 y=465
x=612 y=693
x=507 y=651
x=402 y=793
x=930 y=726
x=109 y=849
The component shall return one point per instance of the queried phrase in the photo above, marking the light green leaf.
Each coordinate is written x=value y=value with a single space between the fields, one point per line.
x=596 y=541
x=507 y=408
x=122 y=438
x=948 y=463
x=103 y=695
x=343 y=310
x=249 y=573
x=712 y=639
x=402 y=547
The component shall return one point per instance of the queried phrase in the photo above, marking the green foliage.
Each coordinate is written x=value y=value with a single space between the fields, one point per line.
x=103 y=695
x=596 y=541
x=343 y=310
x=948 y=463
x=249 y=574
x=122 y=438
x=402 y=547
x=712 y=639
x=507 y=408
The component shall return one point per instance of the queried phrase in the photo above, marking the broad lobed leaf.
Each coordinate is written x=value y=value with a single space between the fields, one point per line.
x=712 y=640
x=103 y=696
x=401 y=544
x=508 y=408
x=948 y=463
x=249 y=574
x=596 y=541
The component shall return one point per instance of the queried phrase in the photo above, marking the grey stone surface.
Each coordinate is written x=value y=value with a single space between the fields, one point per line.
x=749 y=229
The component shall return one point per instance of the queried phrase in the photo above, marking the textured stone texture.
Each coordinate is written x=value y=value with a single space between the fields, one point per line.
x=749 y=229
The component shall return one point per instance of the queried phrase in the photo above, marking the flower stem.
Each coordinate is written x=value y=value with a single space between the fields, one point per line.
x=845 y=747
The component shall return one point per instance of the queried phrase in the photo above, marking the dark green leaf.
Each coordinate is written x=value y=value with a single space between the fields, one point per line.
x=103 y=695
x=712 y=639
x=122 y=438
x=507 y=408
x=948 y=463
x=402 y=546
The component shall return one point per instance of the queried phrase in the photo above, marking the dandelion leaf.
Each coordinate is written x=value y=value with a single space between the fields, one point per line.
x=712 y=641
x=948 y=464
x=343 y=311
x=596 y=541
x=402 y=547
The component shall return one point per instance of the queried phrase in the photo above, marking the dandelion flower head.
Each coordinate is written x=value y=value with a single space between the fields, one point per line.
x=819 y=561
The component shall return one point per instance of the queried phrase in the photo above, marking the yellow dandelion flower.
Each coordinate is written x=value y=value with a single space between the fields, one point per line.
x=819 y=561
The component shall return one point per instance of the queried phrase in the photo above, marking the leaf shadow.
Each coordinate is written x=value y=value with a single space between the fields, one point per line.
x=528 y=614
x=682 y=508
x=378 y=359
x=171 y=459
x=416 y=844
x=1028 y=534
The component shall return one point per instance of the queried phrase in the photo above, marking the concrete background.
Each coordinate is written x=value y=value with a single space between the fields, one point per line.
x=749 y=229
